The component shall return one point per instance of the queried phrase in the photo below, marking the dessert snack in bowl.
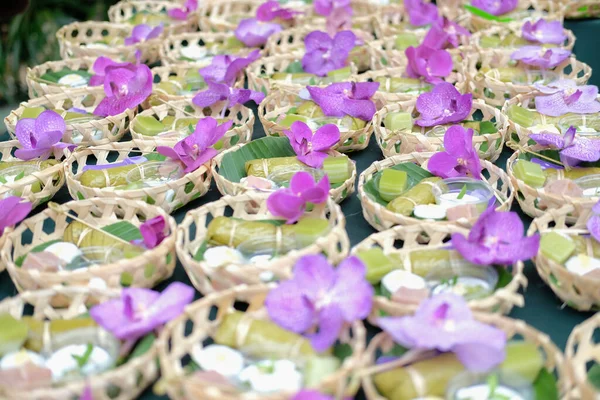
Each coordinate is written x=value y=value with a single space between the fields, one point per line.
x=171 y=15
x=53 y=77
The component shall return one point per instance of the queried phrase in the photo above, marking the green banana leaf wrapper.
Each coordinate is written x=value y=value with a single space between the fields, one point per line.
x=421 y=193
x=83 y=236
x=106 y=177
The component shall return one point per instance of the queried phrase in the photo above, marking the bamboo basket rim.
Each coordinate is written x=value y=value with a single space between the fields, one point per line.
x=43 y=88
x=516 y=29
x=116 y=11
x=581 y=348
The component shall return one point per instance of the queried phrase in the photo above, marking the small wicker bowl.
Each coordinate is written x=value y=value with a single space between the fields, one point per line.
x=502 y=31
x=241 y=132
x=224 y=16
x=227 y=187
x=495 y=92
x=39 y=87
x=529 y=197
x=576 y=291
x=170 y=50
x=75 y=40
x=489 y=146
x=581 y=351
x=381 y=218
x=174 y=344
x=278 y=102
x=47 y=181
x=252 y=205
x=141 y=371
x=94 y=132
x=125 y=10
x=435 y=236
x=169 y=197
x=576 y=9
x=554 y=359
x=145 y=270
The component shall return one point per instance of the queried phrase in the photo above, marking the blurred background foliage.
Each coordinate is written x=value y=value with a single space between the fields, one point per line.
x=27 y=36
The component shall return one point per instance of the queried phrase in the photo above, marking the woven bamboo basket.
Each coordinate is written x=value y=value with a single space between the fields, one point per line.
x=384 y=94
x=581 y=351
x=93 y=132
x=227 y=187
x=489 y=146
x=128 y=380
x=225 y=15
x=37 y=187
x=392 y=20
x=39 y=87
x=251 y=206
x=214 y=43
x=146 y=270
x=435 y=236
x=502 y=31
x=577 y=291
x=529 y=197
x=554 y=360
x=381 y=218
x=278 y=102
x=576 y=9
x=174 y=344
x=170 y=196
x=243 y=119
x=78 y=39
x=495 y=92
x=124 y=11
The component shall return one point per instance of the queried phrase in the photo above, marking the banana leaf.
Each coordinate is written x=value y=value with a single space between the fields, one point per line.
x=594 y=376
x=83 y=236
x=415 y=175
x=545 y=386
x=37 y=249
x=485 y=15
x=55 y=76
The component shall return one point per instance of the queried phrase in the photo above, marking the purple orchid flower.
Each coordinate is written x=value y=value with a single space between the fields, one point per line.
x=143 y=33
x=572 y=149
x=544 y=32
x=227 y=69
x=495 y=7
x=125 y=89
x=271 y=10
x=87 y=394
x=140 y=311
x=12 y=211
x=538 y=56
x=196 y=149
x=566 y=97
x=593 y=223
x=153 y=232
x=428 y=64
x=421 y=13
x=102 y=65
x=254 y=33
x=220 y=92
x=325 y=54
x=182 y=13
x=340 y=19
x=40 y=137
x=319 y=292
x=443 y=105
x=459 y=157
x=496 y=238
x=346 y=98
x=290 y=203
x=444 y=34
x=445 y=323
x=312 y=149
x=326 y=7
x=311 y=395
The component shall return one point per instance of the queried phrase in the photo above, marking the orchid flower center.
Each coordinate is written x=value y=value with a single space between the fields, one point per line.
x=538 y=34
x=491 y=241
x=462 y=161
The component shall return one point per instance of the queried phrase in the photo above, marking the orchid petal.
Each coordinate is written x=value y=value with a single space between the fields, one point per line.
x=286 y=205
x=325 y=137
x=352 y=279
x=593 y=224
x=288 y=308
x=330 y=325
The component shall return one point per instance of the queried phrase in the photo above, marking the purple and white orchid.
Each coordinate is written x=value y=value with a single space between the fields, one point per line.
x=346 y=98
x=496 y=238
x=421 y=13
x=143 y=33
x=495 y=7
x=543 y=31
x=572 y=149
x=290 y=203
x=12 y=211
x=196 y=149
x=443 y=105
x=324 y=53
x=445 y=323
x=326 y=7
x=227 y=69
x=593 y=223
x=153 y=232
x=459 y=156
x=538 y=56
x=40 y=137
x=254 y=33
x=312 y=149
x=270 y=10
x=140 y=311
x=428 y=63
x=319 y=293
x=125 y=89
x=217 y=92
x=445 y=34
x=184 y=12
x=101 y=67
x=564 y=96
